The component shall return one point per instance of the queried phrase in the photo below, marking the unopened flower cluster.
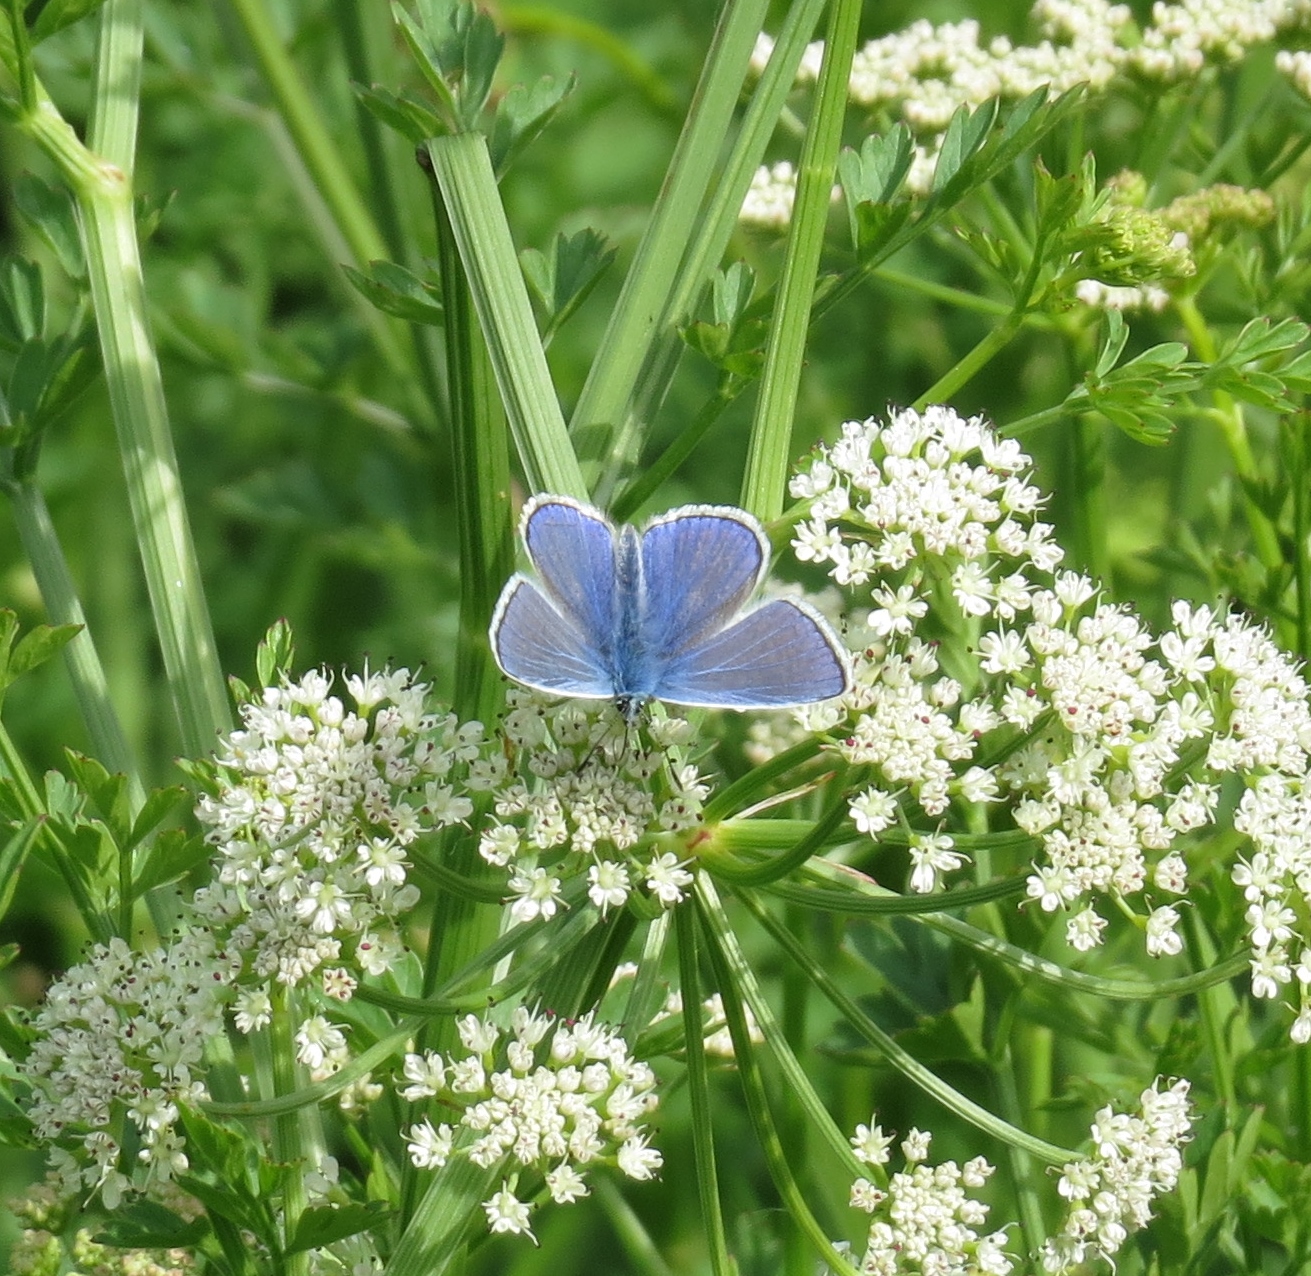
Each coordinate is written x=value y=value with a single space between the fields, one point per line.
x=925 y=73
x=123 y=1034
x=925 y=1222
x=313 y=809
x=589 y=800
x=991 y=676
x=548 y=1098
x=1134 y=1160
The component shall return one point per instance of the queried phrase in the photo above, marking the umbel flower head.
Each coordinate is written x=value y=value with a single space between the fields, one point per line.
x=122 y=1035
x=554 y=1098
x=312 y=809
x=992 y=678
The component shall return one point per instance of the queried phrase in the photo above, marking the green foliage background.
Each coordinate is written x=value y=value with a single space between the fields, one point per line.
x=318 y=475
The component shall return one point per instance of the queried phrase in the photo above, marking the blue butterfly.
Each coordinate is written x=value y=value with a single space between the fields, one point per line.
x=629 y=616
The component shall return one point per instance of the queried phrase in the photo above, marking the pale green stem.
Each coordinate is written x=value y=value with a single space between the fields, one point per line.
x=103 y=192
x=770 y=452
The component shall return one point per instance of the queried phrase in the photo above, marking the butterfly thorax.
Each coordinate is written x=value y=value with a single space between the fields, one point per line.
x=628 y=658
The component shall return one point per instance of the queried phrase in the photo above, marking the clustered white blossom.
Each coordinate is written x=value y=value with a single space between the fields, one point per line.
x=123 y=1034
x=588 y=799
x=925 y=1222
x=926 y=72
x=1135 y=1159
x=770 y=197
x=315 y=805
x=1066 y=715
x=549 y=1096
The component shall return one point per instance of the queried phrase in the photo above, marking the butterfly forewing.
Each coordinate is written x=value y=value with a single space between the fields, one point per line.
x=699 y=566
x=778 y=654
x=536 y=644
x=572 y=547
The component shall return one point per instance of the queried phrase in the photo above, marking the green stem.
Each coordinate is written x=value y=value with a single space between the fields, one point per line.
x=463 y=170
x=698 y=1086
x=653 y=477
x=910 y=1067
x=996 y=340
x=103 y=193
x=641 y=305
x=770 y=449
x=288 y=1136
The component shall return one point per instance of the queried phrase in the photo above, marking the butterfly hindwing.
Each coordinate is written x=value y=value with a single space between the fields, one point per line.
x=537 y=644
x=700 y=564
x=778 y=654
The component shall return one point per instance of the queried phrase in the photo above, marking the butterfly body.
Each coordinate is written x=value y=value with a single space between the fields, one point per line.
x=658 y=614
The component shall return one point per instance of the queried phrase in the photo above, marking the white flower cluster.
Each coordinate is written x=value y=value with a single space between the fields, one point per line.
x=1092 y=292
x=315 y=805
x=925 y=1222
x=1106 y=744
x=123 y=1034
x=594 y=800
x=925 y=73
x=1134 y=1160
x=552 y=1096
x=769 y=199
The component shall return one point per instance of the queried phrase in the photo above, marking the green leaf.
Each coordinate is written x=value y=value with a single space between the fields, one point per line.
x=966 y=133
x=34 y=648
x=563 y=280
x=55 y=15
x=276 y=654
x=172 y=854
x=521 y=115
x=22 y=302
x=426 y=54
x=322 y=1225
x=108 y=793
x=405 y=113
x=49 y=210
x=144 y=1224
x=398 y=291
x=158 y=806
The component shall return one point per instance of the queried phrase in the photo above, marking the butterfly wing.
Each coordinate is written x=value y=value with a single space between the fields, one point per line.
x=572 y=548
x=700 y=564
x=778 y=654
x=536 y=643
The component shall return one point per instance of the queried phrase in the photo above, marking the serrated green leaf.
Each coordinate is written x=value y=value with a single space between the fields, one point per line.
x=875 y=173
x=965 y=135
x=49 y=210
x=172 y=854
x=398 y=291
x=876 y=224
x=1260 y=338
x=158 y=806
x=404 y=113
x=564 y=279
x=108 y=793
x=425 y=53
x=322 y=1225
x=731 y=291
x=521 y=116
x=37 y=646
